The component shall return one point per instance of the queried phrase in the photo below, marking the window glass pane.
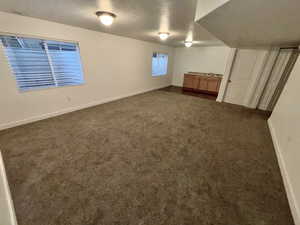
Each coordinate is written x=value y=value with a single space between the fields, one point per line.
x=28 y=61
x=159 y=64
x=38 y=63
x=65 y=60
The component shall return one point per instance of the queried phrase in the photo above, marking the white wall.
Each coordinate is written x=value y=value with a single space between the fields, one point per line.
x=206 y=6
x=285 y=128
x=210 y=59
x=113 y=67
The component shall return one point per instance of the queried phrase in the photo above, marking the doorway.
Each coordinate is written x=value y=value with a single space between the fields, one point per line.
x=278 y=77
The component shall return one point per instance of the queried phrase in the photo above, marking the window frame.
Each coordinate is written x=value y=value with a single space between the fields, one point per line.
x=159 y=75
x=17 y=35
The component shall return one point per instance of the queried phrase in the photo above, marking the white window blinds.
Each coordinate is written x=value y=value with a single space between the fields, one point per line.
x=40 y=63
x=159 y=64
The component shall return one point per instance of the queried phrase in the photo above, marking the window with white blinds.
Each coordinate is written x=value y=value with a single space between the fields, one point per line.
x=159 y=64
x=38 y=63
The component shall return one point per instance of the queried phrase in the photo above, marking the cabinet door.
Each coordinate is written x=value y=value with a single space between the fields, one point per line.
x=190 y=81
x=203 y=83
x=213 y=84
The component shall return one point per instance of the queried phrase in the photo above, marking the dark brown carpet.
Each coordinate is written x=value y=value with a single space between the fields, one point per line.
x=158 y=158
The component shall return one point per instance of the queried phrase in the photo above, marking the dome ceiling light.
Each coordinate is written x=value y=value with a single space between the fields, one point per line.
x=163 y=35
x=188 y=44
x=106 y=18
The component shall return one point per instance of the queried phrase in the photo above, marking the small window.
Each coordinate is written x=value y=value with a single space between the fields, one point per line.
x=38 y=63
x=159 y=64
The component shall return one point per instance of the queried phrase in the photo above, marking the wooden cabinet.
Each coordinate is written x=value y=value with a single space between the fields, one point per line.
x=202 y=82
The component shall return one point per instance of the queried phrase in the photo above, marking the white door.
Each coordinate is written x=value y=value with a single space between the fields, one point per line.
x=241 y=75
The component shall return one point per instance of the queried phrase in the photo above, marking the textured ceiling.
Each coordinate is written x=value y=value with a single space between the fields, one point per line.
x=251 y=23
x=139 y=19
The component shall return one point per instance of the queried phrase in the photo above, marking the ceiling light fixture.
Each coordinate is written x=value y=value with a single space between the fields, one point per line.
x=106 y=18
x=163 y=35
x=188 y=44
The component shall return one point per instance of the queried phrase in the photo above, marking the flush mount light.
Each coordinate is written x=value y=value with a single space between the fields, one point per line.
x=106 y=18
x=163 y=35
x=188 y=44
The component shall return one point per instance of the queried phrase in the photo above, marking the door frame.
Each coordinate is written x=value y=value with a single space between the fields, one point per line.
x=9 y=213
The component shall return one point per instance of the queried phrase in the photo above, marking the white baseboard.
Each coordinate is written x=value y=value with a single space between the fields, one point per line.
x=71 y=109
x=285 y=176
x=7 y=212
